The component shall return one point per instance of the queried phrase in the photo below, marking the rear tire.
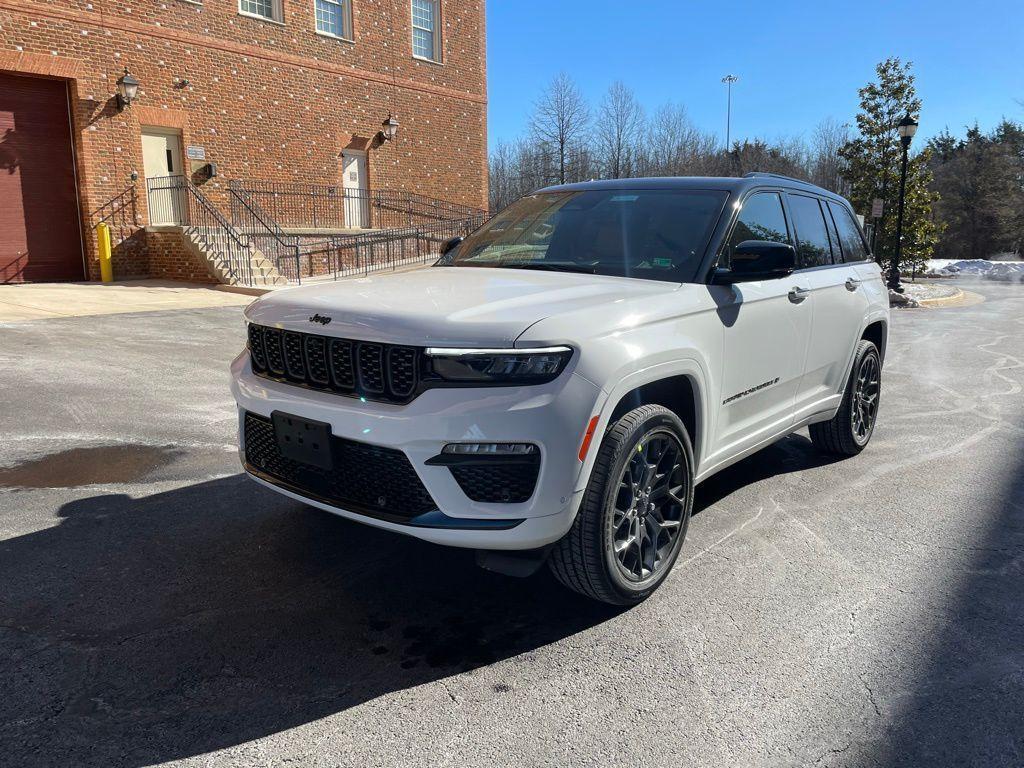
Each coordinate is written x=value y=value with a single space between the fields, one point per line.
x=850 y=430
x=633 y=517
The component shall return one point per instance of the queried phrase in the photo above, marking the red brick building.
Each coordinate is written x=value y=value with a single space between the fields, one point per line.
x=268 y=90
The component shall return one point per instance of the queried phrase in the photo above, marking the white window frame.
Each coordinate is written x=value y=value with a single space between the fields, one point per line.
x=436 y=32
x=276 y=9
x=345 y=7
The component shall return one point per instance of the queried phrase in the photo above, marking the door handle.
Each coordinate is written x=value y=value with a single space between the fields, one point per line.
x=852 y=283
x=798 y=294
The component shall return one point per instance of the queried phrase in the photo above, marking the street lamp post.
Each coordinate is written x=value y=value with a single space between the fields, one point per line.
x=728 y=80
x=907 y=128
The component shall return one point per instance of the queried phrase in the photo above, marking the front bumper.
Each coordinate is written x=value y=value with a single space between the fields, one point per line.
x=552 y=416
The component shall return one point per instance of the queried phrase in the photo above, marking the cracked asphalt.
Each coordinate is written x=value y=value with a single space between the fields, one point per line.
x=158 y=608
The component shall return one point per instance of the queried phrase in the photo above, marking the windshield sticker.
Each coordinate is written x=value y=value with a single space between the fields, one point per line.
x=663 y=262
x=625 y=198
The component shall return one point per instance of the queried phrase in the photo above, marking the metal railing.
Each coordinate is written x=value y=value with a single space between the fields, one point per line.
x=167 y=197
x=119 y=212
x=321 y=206
x=345 y=255
x=177 y=201
x=253 y=232
x=249 y=218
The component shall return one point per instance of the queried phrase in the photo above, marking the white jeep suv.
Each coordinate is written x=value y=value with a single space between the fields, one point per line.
x=557 y=384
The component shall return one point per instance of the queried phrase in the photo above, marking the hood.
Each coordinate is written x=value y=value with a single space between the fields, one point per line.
x=442 y=306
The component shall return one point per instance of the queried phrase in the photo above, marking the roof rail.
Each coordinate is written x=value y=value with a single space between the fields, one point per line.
x=756 y=174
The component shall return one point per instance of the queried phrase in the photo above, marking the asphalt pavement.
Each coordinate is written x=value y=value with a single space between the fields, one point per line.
x=158 y=608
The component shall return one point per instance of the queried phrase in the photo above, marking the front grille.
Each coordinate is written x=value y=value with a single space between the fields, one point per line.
x=357 y=368
x=375 y=481
x=497 y=482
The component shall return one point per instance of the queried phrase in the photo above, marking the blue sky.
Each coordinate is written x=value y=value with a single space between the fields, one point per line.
x=798 y=62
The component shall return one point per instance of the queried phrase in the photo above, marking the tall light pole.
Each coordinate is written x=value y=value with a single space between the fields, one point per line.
x=907 y=128
x=728 y=80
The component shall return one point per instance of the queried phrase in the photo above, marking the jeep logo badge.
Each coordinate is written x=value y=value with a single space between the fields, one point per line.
x=320 y=319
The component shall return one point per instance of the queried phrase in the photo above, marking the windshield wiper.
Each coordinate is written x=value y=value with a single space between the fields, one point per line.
x=552 y=267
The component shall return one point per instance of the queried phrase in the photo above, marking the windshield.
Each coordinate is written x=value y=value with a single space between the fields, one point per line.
x=651 y=234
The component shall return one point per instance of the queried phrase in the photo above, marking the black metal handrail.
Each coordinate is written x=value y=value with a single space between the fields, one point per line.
x=178 y=197
x=250 y=219
x=325 y=206
x=339 y=256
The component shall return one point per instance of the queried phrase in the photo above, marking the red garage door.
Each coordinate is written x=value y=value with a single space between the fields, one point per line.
x=39 y=234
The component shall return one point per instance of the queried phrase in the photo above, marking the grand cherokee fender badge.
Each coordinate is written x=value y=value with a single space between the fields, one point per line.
x=751 y=391
x=322 y=319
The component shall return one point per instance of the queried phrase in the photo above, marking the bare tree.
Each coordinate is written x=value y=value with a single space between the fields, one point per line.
x=618 y=130
x=825 y=166
x=560 y=121
x=675 y=146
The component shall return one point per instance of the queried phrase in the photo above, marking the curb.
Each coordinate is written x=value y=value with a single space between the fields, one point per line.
x=242 y=289
x=941 y=300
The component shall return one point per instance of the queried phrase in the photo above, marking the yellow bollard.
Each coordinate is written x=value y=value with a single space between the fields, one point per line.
x=103 y=245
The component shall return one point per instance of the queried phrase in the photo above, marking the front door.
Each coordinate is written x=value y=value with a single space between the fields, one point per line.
x=767 y=325
x=354 y=182
x=161 y=158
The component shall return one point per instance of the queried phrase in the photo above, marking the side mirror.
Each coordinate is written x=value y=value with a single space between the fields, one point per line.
x=757 y=260
x=451 y=244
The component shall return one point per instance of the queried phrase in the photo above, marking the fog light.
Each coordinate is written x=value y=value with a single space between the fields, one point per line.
x=490 y=449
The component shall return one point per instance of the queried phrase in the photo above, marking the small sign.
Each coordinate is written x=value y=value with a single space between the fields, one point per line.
x=877 y=206
x=195 y=153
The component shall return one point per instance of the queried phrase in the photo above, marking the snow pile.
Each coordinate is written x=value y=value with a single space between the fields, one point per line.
x=991 y=270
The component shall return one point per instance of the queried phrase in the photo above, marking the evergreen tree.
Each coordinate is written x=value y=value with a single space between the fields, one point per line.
x=872 y=166
x=979 y=179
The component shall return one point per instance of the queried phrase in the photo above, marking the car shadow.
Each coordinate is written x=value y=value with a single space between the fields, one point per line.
x=142 y=630
x=793 y=453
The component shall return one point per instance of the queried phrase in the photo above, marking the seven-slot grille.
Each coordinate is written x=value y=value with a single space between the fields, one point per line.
x=358 y=368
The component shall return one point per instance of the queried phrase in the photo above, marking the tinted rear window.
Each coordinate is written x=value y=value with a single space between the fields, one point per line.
x=849 y=233
x=814 y=248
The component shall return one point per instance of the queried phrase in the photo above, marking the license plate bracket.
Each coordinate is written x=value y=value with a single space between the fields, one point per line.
x=303 y=440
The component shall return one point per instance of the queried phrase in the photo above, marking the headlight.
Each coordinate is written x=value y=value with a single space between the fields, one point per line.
x=498 y=366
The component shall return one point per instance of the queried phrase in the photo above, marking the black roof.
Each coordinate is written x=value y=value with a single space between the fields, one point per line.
x=724 y=183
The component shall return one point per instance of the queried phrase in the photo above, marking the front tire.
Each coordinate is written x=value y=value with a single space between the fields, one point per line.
x=850 y=430
x=635 y=511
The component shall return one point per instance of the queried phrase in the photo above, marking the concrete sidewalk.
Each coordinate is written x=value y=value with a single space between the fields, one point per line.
x=39 y=301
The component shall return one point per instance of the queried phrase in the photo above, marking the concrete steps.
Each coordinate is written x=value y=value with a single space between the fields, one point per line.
x=246 y=266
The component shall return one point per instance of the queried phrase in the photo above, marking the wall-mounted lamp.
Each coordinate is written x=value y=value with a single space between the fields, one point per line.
x=127 y=90
x=389 y=128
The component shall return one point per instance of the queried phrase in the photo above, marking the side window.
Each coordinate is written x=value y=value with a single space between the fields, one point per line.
x=849 y=234
x=762 y=218
x=813 y=246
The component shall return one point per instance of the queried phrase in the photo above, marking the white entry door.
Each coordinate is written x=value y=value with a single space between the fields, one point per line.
x=162 y=161
x=357 y=195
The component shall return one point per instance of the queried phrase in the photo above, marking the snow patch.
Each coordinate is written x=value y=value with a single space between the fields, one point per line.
x=990 y=270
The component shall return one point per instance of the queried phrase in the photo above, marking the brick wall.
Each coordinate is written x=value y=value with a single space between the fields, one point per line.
x=267 y=101
x=169 y=258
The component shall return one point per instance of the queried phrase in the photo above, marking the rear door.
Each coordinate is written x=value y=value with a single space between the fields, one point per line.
x=839 y=303
x=766 y=330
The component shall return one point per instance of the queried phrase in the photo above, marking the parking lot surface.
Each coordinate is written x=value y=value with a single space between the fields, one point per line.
x=158 y=608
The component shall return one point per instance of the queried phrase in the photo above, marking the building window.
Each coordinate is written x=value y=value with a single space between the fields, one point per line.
x=333 y=18
x=425 y=26
x=266 y=9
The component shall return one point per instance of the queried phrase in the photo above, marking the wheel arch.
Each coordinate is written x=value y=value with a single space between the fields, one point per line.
x=877 y=332
x=680 y=387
